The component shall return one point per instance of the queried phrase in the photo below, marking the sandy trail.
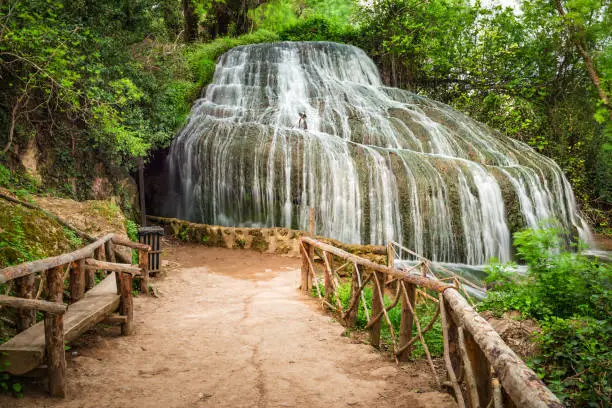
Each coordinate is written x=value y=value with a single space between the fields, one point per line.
x=231 y=330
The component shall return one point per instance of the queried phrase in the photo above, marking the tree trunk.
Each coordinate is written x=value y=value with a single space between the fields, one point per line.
x=190 y=21
x=577 y=35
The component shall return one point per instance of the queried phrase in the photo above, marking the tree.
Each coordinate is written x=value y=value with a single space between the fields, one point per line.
x=577 y=32
x=190 y=18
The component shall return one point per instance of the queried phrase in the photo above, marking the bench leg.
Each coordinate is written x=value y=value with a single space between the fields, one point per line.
x=54 y=335
x=56 y=360
x=126 y=308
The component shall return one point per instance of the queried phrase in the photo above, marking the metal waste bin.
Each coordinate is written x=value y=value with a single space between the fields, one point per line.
x=151 y=236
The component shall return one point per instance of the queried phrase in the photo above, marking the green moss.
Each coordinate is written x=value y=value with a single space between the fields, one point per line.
x=201 y=58
x=27 y=234
x=109 y=211
x=240 y=242
x=259 y=243
x=220 y=241
x=283 y=249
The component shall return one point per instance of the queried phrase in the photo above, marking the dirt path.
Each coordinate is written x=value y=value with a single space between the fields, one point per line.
x=230 y=330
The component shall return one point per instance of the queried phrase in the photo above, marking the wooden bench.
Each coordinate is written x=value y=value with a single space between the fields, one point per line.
x=43 y=342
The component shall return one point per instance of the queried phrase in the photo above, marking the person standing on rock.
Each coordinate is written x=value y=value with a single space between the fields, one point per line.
x=302 y=122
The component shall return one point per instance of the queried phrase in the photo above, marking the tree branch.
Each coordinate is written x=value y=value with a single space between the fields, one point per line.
x=588 y=60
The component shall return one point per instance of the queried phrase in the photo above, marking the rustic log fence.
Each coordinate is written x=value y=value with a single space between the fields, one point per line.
x=89 y=303
x=482 y=370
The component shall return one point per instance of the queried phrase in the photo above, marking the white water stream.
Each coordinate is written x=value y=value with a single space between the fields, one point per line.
x=376 y=163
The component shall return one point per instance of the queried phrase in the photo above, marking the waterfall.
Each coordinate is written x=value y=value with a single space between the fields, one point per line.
x=376 y=163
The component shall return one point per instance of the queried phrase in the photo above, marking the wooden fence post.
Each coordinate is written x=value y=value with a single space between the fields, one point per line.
x=377 y=307
x=54 y=335
x=77 y=280
x=126 y=307
x=306 y=277
x=480 y=367
x=390 y=255
x=407 y=320
x=451 y=349
x=329 y=290
x=312 y=222
x=143 y=263
x=109 y=249
x=351 y=318
x=25 y=289
x=90 y=274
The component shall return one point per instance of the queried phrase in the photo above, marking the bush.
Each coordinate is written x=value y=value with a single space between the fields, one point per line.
x=132 y=230
x=320 y=29
x=569 y=295
x=202 y=58
x=575 y=359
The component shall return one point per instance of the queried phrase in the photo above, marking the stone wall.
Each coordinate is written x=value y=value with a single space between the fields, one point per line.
x=281 y=241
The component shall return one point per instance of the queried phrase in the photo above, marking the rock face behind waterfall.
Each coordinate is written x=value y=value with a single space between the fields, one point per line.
x=377 y=163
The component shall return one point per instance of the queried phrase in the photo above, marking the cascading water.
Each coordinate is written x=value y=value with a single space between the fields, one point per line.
x=376 y=163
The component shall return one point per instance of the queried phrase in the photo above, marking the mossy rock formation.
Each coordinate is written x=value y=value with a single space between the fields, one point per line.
x=377 y=164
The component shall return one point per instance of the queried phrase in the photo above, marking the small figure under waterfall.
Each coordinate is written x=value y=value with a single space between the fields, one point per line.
x=302 y=122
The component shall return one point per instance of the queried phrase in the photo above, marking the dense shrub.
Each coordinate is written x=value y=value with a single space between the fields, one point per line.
x=320 y=29
x=569 y=295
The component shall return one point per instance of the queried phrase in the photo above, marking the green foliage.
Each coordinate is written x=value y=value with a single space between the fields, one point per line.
x=576 y=359
x=98 y=82
x=106 y=209
x=520 y=73
x=132 y=230
x=278 y=15
x=319 y=29
x=570 y=296
x=20 y=184
x=51 y=62
x=73 y=239
x=8 y=384
x=201 y=58
x=26 y=235
x=425 y=311
x=14 y=244
x=275 y=15
x=240 y=242
x=111 y=80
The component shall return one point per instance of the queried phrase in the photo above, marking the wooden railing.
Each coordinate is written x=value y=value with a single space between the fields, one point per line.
x=482 y=370
x=80 y=266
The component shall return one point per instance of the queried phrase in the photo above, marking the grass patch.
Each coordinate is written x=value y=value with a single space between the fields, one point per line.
x=425 y=312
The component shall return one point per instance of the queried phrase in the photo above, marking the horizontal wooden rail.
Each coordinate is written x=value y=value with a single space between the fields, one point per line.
x=91 y=263
x=28 y=268
x=130 y=244
x=33 y=304
x=438 y=266
x=413 y=278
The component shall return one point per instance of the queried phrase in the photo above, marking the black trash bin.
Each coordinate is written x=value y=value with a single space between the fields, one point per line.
x=151 y=236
